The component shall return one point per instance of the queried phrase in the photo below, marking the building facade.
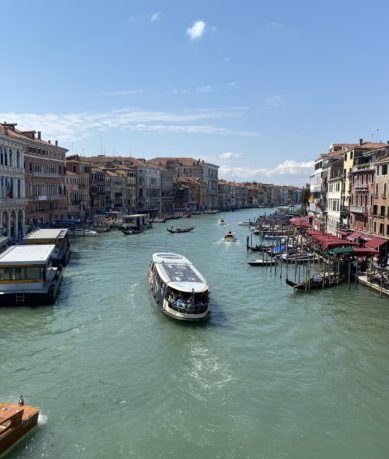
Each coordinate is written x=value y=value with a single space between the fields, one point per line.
x=12 y=185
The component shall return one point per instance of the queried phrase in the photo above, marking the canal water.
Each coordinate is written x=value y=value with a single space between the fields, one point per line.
x=273 y=374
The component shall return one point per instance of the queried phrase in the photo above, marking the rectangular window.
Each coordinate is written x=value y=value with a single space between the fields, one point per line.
x=382 y=229
x=384 y=169
x=382 y=211
x=374 y=227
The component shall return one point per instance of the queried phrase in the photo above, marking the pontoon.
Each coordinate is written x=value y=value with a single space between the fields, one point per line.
x=59 y=237
x=27 y=277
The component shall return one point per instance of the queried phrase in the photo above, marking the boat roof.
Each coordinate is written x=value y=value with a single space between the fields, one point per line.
x=135 y=215
x=26 y=255
x=51 y=233
x=179 y=273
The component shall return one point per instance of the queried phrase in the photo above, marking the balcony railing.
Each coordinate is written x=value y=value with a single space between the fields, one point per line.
x=361 y=186
x=46 y=174
x=12 y=201
x=52 y=197
x=358 y=209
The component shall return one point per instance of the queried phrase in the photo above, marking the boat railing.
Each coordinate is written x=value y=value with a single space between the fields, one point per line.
x=188 y=308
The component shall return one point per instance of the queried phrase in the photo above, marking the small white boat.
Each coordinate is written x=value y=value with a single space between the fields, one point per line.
x=84 y=232
x=245 y=223
x=230 y=237
x=221 y=221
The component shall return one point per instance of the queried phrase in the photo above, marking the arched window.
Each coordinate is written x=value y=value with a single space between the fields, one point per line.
x=10 y=157
x=18 y=159
x=384 y=190
x=5 y=158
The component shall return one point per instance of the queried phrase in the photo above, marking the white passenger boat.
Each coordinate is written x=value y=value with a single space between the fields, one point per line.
x=179 y=289
x=27 y=277
x=230 y=237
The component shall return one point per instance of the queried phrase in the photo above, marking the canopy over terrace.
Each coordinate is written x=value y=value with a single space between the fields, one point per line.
x=328 y=241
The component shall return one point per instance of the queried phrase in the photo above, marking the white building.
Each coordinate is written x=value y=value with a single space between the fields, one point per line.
x=12 y=185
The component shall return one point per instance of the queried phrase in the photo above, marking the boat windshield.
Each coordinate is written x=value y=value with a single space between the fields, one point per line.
x=188 y=303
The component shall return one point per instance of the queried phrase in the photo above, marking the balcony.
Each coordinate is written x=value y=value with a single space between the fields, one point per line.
x=49 y=197
x=12 y=201
x=359 y=186
x=362 y=168
x=45 y=174
x=358 y=209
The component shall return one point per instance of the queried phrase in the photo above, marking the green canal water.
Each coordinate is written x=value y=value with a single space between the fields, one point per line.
x=273 y=374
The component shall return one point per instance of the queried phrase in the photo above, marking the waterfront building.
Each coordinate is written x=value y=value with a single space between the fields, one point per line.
x=77 y=187
x=334 y=208
x=190 y=193
x=45 y=170
x=97 y=190
x=129 y=173
x=380 y=215
x=195 y=168
x=167 y=191
x=12 y=185
x=149 y=188
x=241 y=201
x=226 y=195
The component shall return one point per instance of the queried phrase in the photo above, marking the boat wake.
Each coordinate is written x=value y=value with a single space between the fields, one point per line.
x=42 y=419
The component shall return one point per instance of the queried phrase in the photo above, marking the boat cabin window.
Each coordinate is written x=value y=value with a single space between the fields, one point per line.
x=11 y=273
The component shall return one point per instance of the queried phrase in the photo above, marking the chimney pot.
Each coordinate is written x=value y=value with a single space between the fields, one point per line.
x=360 y=141
x=56 y=143
x=49 y=141
x=39 y=135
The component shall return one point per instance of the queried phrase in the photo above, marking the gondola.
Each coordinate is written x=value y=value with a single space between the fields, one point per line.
x=315 y=283
x=259 y=248
x=180 y=230
x=260 y=262
x=128 y=231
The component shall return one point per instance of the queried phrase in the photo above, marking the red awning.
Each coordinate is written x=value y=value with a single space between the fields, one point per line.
x=354 y=235
x=376 y=242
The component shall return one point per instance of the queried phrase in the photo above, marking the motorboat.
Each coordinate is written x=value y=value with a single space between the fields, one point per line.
x=85 y=232
x=159 y=220
x=179 y=289
x=245 y=223
x=16 y=422
x=180 y=230
x=230 y=237
x=27 y=276
x=221 y=221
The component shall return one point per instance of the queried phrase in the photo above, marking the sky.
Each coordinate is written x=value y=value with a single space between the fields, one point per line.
x=260 y=88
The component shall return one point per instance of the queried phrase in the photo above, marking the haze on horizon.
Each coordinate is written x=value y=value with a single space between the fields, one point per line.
x=259 y=88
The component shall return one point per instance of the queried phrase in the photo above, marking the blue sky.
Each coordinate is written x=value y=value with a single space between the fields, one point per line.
x=258 y=87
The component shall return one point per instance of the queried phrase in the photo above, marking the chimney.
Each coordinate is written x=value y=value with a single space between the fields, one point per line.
x=39 y=135
x=360 y=141
x=49 y=141
x=56 y=143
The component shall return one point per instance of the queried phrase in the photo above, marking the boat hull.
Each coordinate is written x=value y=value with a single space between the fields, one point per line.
x=10 y=438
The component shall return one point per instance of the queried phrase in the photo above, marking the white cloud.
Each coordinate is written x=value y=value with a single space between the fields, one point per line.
x=128 y=92
x=197 y=30
x=204 y=89
x=293 y=171
x=230 y=155
x=232 y=85
x=74 y=126
x=155 y=17
x=274 y=101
